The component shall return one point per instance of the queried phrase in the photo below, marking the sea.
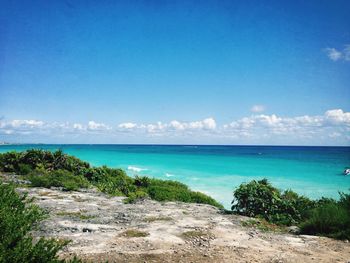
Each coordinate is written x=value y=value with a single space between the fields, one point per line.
x=217 y=170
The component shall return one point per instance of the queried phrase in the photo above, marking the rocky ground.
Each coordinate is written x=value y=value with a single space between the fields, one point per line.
x=104 y=228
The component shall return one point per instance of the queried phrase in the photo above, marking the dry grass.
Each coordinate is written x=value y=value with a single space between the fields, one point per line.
x=134 y=233
x=195 y=234
x=262 y=225
x=44 y=193
x=79 y=215
x=157 y=218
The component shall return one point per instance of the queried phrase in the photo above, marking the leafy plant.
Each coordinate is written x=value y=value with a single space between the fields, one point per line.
x=330 y=219
x=134 y=196
x=261 y=199
x=143 y=181
x=325 y=216
x=18 y=216
x=58 y=178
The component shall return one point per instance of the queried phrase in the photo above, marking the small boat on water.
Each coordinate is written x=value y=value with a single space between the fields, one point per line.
x=346 y=171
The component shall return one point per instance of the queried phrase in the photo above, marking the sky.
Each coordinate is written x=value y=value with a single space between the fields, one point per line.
x=175 y=72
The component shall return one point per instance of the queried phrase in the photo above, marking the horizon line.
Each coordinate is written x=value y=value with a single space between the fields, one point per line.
x=160 y=144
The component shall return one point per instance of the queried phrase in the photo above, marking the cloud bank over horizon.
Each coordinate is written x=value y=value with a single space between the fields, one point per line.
x=331 y=128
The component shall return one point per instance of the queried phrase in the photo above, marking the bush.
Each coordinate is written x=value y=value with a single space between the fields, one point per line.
x=116 y=185
x=24 y=169
x=9 y=162
x=59 y=178
x=330 y=219
x=34 y=158
x=143 y=181
x=135 y=196
x=166 y=193
x=17 y=218
x=326 y=216
x=200 y=198
x=255 y=198
x=162 y=190
x=261 y=199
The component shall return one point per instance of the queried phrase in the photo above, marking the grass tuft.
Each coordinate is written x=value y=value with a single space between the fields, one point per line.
x=155 y=218
x=79 y=215
x=130 y=233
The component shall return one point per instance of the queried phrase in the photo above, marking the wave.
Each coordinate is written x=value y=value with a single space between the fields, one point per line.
x=136 y=169
x=169 y=175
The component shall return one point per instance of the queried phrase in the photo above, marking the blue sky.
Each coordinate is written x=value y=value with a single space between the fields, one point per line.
x=228 y=72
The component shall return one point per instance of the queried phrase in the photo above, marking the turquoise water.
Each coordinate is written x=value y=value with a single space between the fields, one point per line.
x=216 y=170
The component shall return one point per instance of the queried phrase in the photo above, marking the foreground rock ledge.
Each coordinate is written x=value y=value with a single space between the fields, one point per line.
x=104 y=228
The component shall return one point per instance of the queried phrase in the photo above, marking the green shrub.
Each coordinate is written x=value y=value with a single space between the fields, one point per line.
x=116 y=185
x=200 y=198
x=35 y=158
x=170 y=183
x=17 y=218
x=143 y=181
x=174 y=191
x=325 y=216
x=330 y=220
x=134 y=196
x=261 y=199
x=9 y=162
x=255 y=198
x=59 y=178
x=24 y=169
x=345 y=201
x=168 y=193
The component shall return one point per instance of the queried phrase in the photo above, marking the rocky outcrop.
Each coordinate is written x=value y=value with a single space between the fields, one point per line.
x=104 y=228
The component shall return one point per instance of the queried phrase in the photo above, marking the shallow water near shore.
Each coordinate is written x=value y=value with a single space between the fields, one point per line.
x=217 y=170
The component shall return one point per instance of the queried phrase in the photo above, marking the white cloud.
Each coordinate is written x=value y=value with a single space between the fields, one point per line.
x=173 y=126
x=95 y=126
x=332 y=126
x=176 y=125
x=257 y=108
x=332 y=122
x=209 y=124
x=26 y=123
x=20 y=126
x=335 y=54
x=206 y=124
x=337 y=116
x=78 y=126
x=154 y=128
x=127 y=125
